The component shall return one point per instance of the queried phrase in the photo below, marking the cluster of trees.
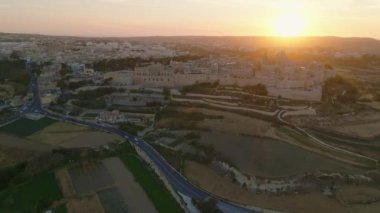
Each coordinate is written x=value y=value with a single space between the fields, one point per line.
x=131 y=128
x=107 y=65
x=13 y=71
x=14 y=55
x=93 y=99
x=339 y=89
x=65 y=69
x=166 y=93
x=200 y=88
x=36 y=68
x=153 y=104
x=186 y=58
x=171 y=112
x=207 y=206
x=107 y=81
x=97 y=93
x=7 y=174
x=180 y=120
x=258 y=89
x=99 y=103
x=76 y=85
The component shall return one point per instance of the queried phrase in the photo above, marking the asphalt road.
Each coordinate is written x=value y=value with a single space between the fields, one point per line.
x=177 y=181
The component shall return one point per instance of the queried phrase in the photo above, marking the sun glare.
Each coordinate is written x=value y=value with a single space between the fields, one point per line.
x=289 y=25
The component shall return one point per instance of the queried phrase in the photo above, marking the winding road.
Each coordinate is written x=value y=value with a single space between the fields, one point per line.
x=177 y=181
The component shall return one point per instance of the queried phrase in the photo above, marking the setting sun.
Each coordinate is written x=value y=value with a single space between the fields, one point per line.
x=289 y=25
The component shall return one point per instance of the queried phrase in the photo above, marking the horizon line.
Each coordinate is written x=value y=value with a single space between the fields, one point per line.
x=221 y=36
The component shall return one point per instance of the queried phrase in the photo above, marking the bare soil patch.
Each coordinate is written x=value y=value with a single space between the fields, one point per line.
x=85 y=204
x=269 y=157
x=58 y=132
x=364 y=124
x=231 y=122
x=72 y=136
x=16 y=142
x=91 y=139
x=90 y=177
x=113 y=201
x=64 y=180
x=367 y=130
x=132 y=192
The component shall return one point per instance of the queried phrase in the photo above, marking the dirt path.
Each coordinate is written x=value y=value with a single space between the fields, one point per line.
x=135 y=196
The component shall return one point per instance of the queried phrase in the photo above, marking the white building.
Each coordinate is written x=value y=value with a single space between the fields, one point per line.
x=154 y=75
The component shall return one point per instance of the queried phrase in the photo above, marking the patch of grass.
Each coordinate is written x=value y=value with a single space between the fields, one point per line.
x=153 y=187
x=36 y=194
x=25 y=127
x=7 y=174
x=91 y=104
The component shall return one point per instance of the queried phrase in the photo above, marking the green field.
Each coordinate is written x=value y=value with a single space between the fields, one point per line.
x=24 y=127
x=153 y=187
x=26 y=197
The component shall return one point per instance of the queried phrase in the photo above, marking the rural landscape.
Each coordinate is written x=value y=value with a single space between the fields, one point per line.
x=139 y=107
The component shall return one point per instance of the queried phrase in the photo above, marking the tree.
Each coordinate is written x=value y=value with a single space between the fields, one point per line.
x=205 y=87
x=208 y=206
x=42 y=205
x=14 y=55
x=258 y=89
x=36 y=68
x=329 y=67
x=107 y=81
x=76 y=85
x=131 y=128
x=166 y=93
x=340 y=89
x=65 y=69
x=14 y=71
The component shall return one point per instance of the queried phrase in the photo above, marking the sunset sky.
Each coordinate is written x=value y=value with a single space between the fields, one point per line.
x=192 y=17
